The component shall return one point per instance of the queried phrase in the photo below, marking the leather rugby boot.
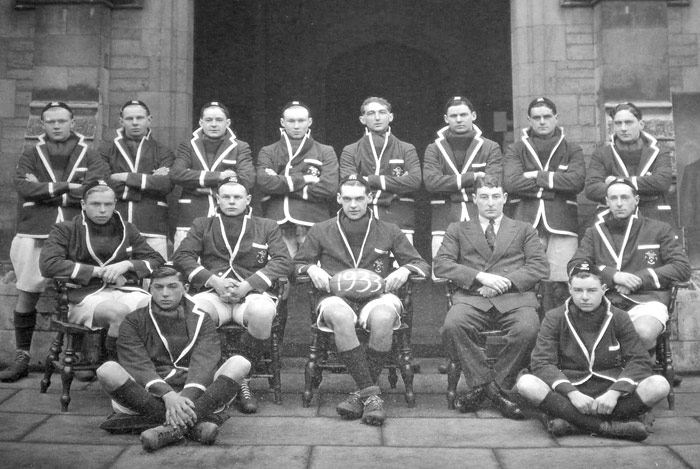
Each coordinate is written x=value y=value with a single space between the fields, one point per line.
x=18 y=369
x=246 y=399
x=159 y=437
x=500 y=399
x=632 y=430
x=204 y=432
x=351 y=408
x=471 y=400
x=373 y=411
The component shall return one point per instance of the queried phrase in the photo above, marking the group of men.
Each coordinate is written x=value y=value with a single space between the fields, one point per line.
x=101 y=219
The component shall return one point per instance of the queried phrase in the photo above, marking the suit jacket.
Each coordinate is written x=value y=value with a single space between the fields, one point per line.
x=192 y=171
x=653 y=178
x=145 y=355
x=451 y=187
x=517 y=255
x=142 y=198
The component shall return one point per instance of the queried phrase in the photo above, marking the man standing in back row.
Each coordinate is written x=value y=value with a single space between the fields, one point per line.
x=298 y=177
x=390 y=166
x=138 y=173
x=452 y=164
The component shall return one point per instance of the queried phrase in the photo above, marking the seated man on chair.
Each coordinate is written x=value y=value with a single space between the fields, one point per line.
x=106 y=256
x=637 y=257
x=167 y=373
x=234 y=258
x=590 y=372
x=355 y=239
x=496 y=263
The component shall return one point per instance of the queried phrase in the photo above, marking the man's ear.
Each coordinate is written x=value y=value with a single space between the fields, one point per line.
x=187 y=287
x=605 y=287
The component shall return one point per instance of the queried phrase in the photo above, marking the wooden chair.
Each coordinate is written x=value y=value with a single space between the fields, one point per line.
x=84 y=347
x=323 y=353
x=493 y=341
x=269 y=365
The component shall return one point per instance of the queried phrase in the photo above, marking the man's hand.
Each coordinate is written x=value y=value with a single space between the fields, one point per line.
x=627 y=280
x=310 y=179
x=604 y=405
x=530 y=174
x=162 y=171
x=582 y=402
x=496 y=282
x=31 y=178
x=270 y=172
x=111 y=273
x=222 y=286
x=487 y=292
x=396 y=279
x=229 y=173
x=479 y=174
x=622 y=290
x=239 y=292
x=179 y=411
x=320 y=278
x=74 y=189
x=119 y=177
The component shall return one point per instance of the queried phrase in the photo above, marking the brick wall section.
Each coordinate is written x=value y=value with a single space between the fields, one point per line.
x=684 y=37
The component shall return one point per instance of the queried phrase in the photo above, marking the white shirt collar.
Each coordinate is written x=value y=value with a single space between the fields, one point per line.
x=484 y=222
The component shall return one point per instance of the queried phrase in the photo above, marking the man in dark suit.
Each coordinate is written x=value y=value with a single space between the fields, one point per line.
x=496 y=262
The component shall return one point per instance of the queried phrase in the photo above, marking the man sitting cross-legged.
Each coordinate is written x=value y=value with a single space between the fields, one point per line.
x=590 y=371
x=167 y=373
x=354 y=239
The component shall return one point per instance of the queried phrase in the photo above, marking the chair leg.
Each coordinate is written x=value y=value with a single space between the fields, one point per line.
x=53 y=356
x=669 y=371
x=67 y=373
x=453 y=374
x=310 y=373
x=393 y=377
x=406 y=367
x=276 y=364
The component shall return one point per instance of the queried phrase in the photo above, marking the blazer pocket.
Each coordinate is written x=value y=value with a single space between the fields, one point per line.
x=615 y=347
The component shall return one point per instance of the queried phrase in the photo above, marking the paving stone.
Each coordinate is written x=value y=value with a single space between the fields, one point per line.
x=51 y=456
x=689 y=384
x=33 y=381
x=391 y=458
x=686 y=406
x=464 y=432
x=82 y=402
x=192 y=454
x=679 y=430
x=6 y=394
x=690 y=453
x=76 y=429
x=427 y=405
x=298 y=431
x=15 y=426
x=290 y=407
x=631 y=456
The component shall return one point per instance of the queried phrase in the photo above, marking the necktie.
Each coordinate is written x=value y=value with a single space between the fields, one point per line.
x=490 y=234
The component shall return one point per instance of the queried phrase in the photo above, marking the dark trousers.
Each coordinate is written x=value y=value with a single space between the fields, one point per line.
x=462 y=340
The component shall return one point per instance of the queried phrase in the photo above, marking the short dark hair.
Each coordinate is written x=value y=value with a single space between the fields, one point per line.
x=134 y=102
x=636 y=112
x=585 y=275
x=458 y=100
x=169 y=271
x=54 y=104
x=542 y=102
x=292 y=104
x=231 y=180
x=375 y=99
x=214 y=104
x=354 y=180
x=487 y=181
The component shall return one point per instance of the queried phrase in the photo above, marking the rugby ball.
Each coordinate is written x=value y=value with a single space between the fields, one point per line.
x=357 y=284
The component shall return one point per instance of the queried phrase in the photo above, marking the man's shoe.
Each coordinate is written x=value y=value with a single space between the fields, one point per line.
x=647 y=418
x=161 y=436
x=500 y=399
x=351 y=408
x=373 y=412
x=560 y=427
x=85 y=376
x=246 y=400
x=19 y=368
x=632 y=430
x=119 y=423
x=204 y=432
x=471 y=400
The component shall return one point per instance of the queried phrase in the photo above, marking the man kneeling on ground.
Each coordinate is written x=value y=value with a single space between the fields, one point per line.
x=167 y=373
x=590 y=371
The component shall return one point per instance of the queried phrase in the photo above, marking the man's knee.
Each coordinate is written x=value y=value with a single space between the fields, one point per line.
x=525 y=329
x=111 y=375
x=381 y=318
x=531 y=388
x=235 y=368
x=111 y=312
x=339 y=318
x=653 y=389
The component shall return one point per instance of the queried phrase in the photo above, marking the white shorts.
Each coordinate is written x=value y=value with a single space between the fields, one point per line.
x=233 y=312
x=559 y=249
x=83 y=313
x=159 y=243
x=387 y=299
x=655 y=309
x=24 y=254
x=180 y=234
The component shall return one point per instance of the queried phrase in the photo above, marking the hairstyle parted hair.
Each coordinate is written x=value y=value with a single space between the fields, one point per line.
x=585 y=275
x=375 y=99
x=487 y=181
x=458 y=100
x=633 y=109
x=96 y=190
x=168 y=271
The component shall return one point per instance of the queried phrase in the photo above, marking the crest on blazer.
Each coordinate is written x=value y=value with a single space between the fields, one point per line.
x=651 y=257
x=378 y=266
x=313 y=171
x=261 y=256
x=398 y=171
